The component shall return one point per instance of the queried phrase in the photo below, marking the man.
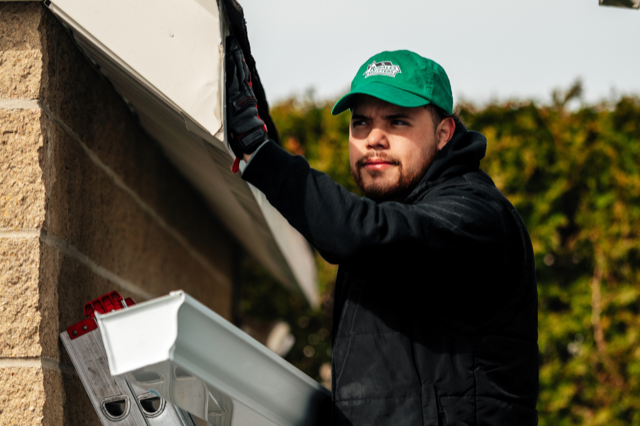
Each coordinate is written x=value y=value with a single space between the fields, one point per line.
x=435 y=317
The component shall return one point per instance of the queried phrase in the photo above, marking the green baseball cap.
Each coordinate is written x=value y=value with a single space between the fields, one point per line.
x=401 y=78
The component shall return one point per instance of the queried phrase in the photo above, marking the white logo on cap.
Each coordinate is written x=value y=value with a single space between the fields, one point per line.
x=382 y=68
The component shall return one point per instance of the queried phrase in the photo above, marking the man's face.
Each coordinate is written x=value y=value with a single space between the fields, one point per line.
x=390 y=147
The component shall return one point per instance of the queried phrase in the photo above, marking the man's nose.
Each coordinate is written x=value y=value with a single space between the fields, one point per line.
x=377 y=139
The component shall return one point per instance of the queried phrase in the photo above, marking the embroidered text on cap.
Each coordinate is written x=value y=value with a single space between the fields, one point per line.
x=382 y=68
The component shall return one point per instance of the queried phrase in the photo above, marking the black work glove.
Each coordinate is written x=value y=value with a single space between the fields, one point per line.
x=246 y=130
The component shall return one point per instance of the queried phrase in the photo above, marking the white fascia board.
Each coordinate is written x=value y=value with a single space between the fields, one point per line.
x=167 y=337
x=165 y=58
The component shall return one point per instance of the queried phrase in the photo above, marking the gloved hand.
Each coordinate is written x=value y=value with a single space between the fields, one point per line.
x=246 y=130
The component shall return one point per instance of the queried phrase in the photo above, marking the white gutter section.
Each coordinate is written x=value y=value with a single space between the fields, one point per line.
x=165 y=58
x=176 y=347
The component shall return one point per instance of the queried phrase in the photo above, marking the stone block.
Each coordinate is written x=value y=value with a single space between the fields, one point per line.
x=19 y=297
x=20 y=74
x=20 y=50
x=22 y=192
x=22 y=396
x=19 y=24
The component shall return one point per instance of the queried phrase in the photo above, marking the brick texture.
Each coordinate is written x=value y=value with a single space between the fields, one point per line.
x=88 y=204
x=22 y=193
x=20 y=51
x=22 y=396
x=19 y=315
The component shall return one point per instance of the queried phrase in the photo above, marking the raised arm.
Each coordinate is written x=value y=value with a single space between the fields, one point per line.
x=339 y=223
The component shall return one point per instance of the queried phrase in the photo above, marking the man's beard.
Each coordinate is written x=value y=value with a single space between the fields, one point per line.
x=397 y=191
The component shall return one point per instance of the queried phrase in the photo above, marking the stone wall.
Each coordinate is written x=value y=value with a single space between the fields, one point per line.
x=88 y=204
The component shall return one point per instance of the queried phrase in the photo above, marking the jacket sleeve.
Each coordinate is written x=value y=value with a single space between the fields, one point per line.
x=339 y=224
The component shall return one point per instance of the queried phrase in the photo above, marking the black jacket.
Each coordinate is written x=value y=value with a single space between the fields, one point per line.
x=435 y=311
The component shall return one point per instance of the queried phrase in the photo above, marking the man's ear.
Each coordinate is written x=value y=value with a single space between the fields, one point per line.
x=445 y=131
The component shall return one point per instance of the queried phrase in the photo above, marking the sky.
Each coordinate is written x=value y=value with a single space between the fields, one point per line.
x=491 y=49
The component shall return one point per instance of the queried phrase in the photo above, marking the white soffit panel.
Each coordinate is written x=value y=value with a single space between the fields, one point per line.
x=176 y=347
x=173 y=45
x=165 y=58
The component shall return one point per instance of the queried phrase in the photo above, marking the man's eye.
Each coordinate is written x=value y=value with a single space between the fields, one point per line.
x=358 y=123
x=399 y=123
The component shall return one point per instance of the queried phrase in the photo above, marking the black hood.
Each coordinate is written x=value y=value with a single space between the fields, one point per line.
x=462 y=154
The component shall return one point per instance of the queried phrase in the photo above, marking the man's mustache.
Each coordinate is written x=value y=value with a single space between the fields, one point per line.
x=377 y=156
